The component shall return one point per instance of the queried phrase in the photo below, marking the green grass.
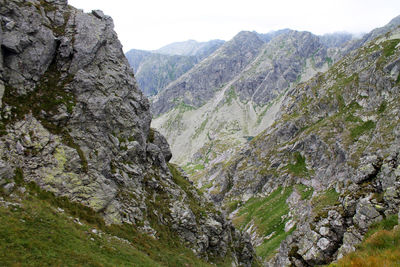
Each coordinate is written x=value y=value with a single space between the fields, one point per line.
x=390 y=47
x=359 y=130
x=36 y=234
x=299 y=168
x=230 y=95
x=382 y=107
x=323 y=201
x=305 y=191
x=266 y=214
x=381 y=247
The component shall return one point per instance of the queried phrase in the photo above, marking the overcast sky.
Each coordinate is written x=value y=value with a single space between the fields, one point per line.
x=151 y=24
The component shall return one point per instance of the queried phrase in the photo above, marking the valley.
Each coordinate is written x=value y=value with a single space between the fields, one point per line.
x=268 y=149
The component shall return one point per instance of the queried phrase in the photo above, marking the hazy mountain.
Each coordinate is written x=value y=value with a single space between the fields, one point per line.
x=191 y=48
x=336 y=39
x=154 y=70
x=200 y=84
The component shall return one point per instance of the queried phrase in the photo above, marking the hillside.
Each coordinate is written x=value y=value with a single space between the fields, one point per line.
x=308 y=187
x=245 y=104
x=76 y=145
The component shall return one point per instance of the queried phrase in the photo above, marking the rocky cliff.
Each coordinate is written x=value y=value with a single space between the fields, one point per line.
x=74 y=123
x=311 y=184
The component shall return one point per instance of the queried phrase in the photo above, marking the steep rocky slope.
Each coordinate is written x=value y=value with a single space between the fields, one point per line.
x=75 y=125
x=246 y=102
x=312 y=183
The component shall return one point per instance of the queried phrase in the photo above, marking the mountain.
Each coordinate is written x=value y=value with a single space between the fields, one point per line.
x=215 y=107
x=84 y=179
x=309 y=187
x=200 y=83
x=191 y=48
x=154 y=70
x=272 y=34
x=336 y=39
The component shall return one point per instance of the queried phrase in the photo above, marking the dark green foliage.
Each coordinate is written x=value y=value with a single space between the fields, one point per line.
x=382 y=107
x=150 y=137
x=305 y=191
x=323 y=202
x=299 y=168
x=389 y=47
x=359 y=130
x=19 y=176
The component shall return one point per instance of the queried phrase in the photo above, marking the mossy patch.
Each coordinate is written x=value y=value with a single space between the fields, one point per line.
x=299 y=167
x=359 y=130
x=323 y=202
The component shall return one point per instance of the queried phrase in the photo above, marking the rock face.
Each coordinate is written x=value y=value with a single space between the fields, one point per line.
x=330 y=161
x=74 y=122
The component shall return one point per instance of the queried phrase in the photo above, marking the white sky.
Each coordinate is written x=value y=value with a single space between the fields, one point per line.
x=151 y=24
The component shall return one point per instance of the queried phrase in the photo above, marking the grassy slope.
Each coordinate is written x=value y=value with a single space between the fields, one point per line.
x=36 y=233
x=381 y=247
x=266 y=214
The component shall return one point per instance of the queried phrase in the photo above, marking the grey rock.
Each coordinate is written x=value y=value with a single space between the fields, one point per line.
x=323 y=243
x=8 y=188
x=161 y=142
x=98 y=13
x=366 y=214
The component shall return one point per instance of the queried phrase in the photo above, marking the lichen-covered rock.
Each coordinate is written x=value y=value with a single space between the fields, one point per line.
x=74 y=122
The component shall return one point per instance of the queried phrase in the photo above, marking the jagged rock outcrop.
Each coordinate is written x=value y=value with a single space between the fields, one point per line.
x=330 y=161
x=74 y=122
